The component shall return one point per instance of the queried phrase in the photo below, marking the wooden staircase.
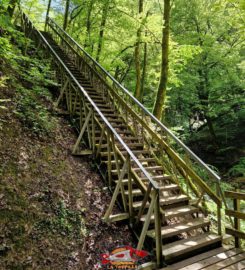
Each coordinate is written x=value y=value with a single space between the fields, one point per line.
x=168 y=218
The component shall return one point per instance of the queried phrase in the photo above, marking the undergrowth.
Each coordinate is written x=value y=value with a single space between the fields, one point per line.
x=29 y=74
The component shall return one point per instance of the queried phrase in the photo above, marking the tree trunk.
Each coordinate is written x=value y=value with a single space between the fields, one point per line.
x=88 y=24
x=66 y=15
x=137 y=92
x=47 y=14
x=102 y=28
x=158 y=110
x=11 y=7
x=144 y=69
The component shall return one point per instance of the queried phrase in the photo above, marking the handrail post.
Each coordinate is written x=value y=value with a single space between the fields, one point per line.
x=219 y=207
x=130 y=192
x=236 y=205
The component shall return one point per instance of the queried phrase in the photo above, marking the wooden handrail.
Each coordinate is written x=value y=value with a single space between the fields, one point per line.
x=235 y=195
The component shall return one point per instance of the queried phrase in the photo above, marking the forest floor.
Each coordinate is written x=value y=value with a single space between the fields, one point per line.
x=51 y=203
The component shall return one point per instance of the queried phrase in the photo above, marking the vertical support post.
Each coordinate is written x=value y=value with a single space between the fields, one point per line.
x=142 y=127
x=81 y=112
x=67 y=94
x=70 y=99
x=100 y=141
x=115 y=155
x=130 y=191
x=219 y=209
x=93 y=131
x=109 y=158
x=236 y=204
x=158 y=229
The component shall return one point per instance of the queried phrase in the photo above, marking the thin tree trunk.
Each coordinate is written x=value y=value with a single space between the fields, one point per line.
x=102 y=29
x=158 y=110
x=144 y=69
x=66 y=14
x=47 y=14
x=11 y=7
x=126 y=71
x=137 y=92
x=88 y=24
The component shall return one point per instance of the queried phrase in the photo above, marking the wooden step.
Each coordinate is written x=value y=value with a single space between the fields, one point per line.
x=138 y=192
x=137 y=205
x=147 y=160
x=102 y=105
x=158 y=177
x=124 y=181
x=131 y=145
x=169 y=187
x=176 y=229
x=186 y=246
x=106 y=110
x=138 y=152
x=180 y=211
x=135 y=192
x=109 y=114
x=176 y=212
x=167 y=200
x=211 y=260
x=145 y=179
x=152 y=168
x=129 y=138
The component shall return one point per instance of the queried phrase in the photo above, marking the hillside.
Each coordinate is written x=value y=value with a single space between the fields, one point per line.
x=51 y=203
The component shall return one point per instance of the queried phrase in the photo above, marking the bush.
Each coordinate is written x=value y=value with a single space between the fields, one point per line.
x=239 y=169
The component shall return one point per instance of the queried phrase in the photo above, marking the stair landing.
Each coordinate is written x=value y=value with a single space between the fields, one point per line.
x=220 y=258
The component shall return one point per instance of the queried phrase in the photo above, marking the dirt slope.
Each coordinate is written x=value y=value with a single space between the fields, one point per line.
x=51 y=203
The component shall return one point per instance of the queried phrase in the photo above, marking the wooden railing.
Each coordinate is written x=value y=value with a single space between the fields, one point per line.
x=90 y=113
x=237 y=214
x=174 y=156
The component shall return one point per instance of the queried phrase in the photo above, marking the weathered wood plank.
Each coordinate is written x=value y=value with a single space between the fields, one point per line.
x=227 y=262
x=233 y=213
x=178 y=228
x=212 y=260
x=195 y=259
x=235 y=233
x=177 y=248
x=235 y=195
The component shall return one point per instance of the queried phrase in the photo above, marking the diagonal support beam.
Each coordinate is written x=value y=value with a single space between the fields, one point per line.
x=61 y=93
x=82 y=132
x=147 y=222
x=116 y=191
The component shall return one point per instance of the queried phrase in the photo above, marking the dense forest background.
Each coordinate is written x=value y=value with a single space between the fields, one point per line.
x=183 y=59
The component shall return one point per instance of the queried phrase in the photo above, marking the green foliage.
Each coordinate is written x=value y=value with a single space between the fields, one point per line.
x=32 y=112
x=238 y=169
x=29 y=75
